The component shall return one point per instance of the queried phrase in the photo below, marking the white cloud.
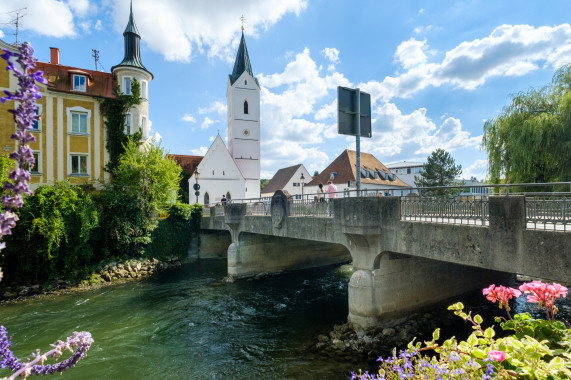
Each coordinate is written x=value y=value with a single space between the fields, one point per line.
x=478 y=169
x=79 y=7
x=51 y=18
x=98 y=26
x=509 y=50
x=331 y=54
x=411 y=53
x=395 y=133
x=188 y=118
x=176 y=28
x=206 y=123
x=217 y=106
x=200 y=151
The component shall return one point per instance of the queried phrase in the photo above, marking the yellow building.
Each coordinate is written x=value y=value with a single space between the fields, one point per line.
x=70 y=135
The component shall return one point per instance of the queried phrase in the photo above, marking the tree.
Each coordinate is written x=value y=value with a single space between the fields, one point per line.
x=439 y=170
x=145 y=183
x=263 y=183
x=530 y=141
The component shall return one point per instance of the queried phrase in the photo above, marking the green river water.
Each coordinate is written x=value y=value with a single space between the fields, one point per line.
x=188 y=324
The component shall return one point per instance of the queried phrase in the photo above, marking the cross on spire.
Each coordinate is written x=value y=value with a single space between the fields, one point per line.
x=243 y=19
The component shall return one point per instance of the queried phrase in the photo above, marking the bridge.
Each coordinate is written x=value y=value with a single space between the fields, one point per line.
x=407 y=252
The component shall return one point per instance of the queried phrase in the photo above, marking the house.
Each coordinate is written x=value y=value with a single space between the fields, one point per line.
x=234 y=171
x=406 y=171
x=70 y=135
x=290 y=180
x=375 y=177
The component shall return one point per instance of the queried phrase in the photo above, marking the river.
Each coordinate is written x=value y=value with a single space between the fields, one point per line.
x=189 y=324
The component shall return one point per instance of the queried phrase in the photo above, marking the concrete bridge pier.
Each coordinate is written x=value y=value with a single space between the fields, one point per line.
x=387 y=285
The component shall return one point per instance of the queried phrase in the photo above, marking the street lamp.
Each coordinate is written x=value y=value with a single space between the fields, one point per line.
x=302 y=180
x=196 y=186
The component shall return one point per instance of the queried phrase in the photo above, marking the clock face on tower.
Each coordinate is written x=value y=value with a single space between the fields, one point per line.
x=246 y=132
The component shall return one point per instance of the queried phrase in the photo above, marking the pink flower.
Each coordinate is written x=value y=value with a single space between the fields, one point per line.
x=498 y=356
x=501 y=293
x=543 y=294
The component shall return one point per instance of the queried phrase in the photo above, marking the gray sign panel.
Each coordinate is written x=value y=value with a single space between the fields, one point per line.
x=346 y=112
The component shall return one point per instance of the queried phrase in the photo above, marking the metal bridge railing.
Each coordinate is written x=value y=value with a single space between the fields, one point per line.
x=304 y=207
x=468 y=210
x=548 y=213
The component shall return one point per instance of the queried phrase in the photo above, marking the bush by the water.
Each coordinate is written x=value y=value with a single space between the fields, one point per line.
x=53 y=237
x=172 y=236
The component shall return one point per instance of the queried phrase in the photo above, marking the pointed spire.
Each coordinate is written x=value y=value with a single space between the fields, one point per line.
x=131 y=27
x=131 y=37
x=242 y=62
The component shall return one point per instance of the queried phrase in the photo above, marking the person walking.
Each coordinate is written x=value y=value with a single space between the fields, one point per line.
x=320 y=193
x=331 y=190
x=223 y=200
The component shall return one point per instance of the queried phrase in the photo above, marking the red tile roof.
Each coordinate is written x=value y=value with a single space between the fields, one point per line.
x=280 y=179
x=187 y=163
x=60 y=78
x=345 y=167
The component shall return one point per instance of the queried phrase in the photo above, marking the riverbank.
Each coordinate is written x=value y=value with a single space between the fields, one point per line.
x=112 y=273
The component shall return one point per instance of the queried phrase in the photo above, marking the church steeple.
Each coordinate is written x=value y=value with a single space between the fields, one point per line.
x=242 y=62
x=131 y=36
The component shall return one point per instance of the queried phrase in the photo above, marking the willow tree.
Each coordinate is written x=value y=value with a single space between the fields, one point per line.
x=530 y=141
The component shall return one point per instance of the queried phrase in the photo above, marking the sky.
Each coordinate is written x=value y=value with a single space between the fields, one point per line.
x=435 y=70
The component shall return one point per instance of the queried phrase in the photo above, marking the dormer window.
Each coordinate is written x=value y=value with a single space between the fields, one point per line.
x=79 y=83
x=245 y=107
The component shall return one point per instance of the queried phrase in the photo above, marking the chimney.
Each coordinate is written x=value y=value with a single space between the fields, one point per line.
x=54 y=53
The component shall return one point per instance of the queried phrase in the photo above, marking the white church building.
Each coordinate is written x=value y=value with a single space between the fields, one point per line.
x=234 y=170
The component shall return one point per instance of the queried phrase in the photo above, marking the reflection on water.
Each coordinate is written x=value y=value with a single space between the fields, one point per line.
x=188 y=324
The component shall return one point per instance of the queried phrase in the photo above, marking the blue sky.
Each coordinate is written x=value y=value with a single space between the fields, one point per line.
x=435 y=70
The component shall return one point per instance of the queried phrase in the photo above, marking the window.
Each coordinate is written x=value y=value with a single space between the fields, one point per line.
x=35 y=167
x=79 y=83
x=206 y=199
x=128 y=123
x=245 y=107
x=127 y=85
x=78 y=164
x=143 y=124
x=228 y=196
x=144 y=89
x=296 y=184
x=245 y=82
x=78 y=122
x=36 y=124
x=298 y=196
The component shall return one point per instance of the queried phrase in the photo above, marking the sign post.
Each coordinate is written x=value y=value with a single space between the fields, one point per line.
x=354 y=119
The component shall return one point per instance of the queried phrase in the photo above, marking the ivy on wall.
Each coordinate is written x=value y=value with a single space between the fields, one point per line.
x=115 y=110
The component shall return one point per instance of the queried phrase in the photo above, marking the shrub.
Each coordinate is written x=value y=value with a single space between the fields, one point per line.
x=52 y=238
x=174 y=234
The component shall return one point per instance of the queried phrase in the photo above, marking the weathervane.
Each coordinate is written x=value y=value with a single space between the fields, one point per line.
x=243 y=19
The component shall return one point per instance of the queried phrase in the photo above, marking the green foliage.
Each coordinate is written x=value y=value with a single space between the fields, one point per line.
x=6 y=164
x=544 y=353
x=439 y=170
x=145 y=183
x=53 y=237
x=184 y=188
x=263 y=183
x=174 y=234
x=530 y=141
x=115 y=110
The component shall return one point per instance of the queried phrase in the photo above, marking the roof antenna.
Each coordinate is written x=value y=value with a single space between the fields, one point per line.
x=95 y=54
x=16 y=21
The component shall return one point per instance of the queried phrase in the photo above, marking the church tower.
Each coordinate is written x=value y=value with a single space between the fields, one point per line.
x=243 y=102
x=132 y=68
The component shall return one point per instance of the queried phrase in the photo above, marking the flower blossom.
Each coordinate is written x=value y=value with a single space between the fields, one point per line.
x=498 y=356
x=502 y=294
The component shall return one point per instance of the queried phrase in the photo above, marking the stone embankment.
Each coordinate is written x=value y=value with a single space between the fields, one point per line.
x=344 y=342
x=110 y=273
